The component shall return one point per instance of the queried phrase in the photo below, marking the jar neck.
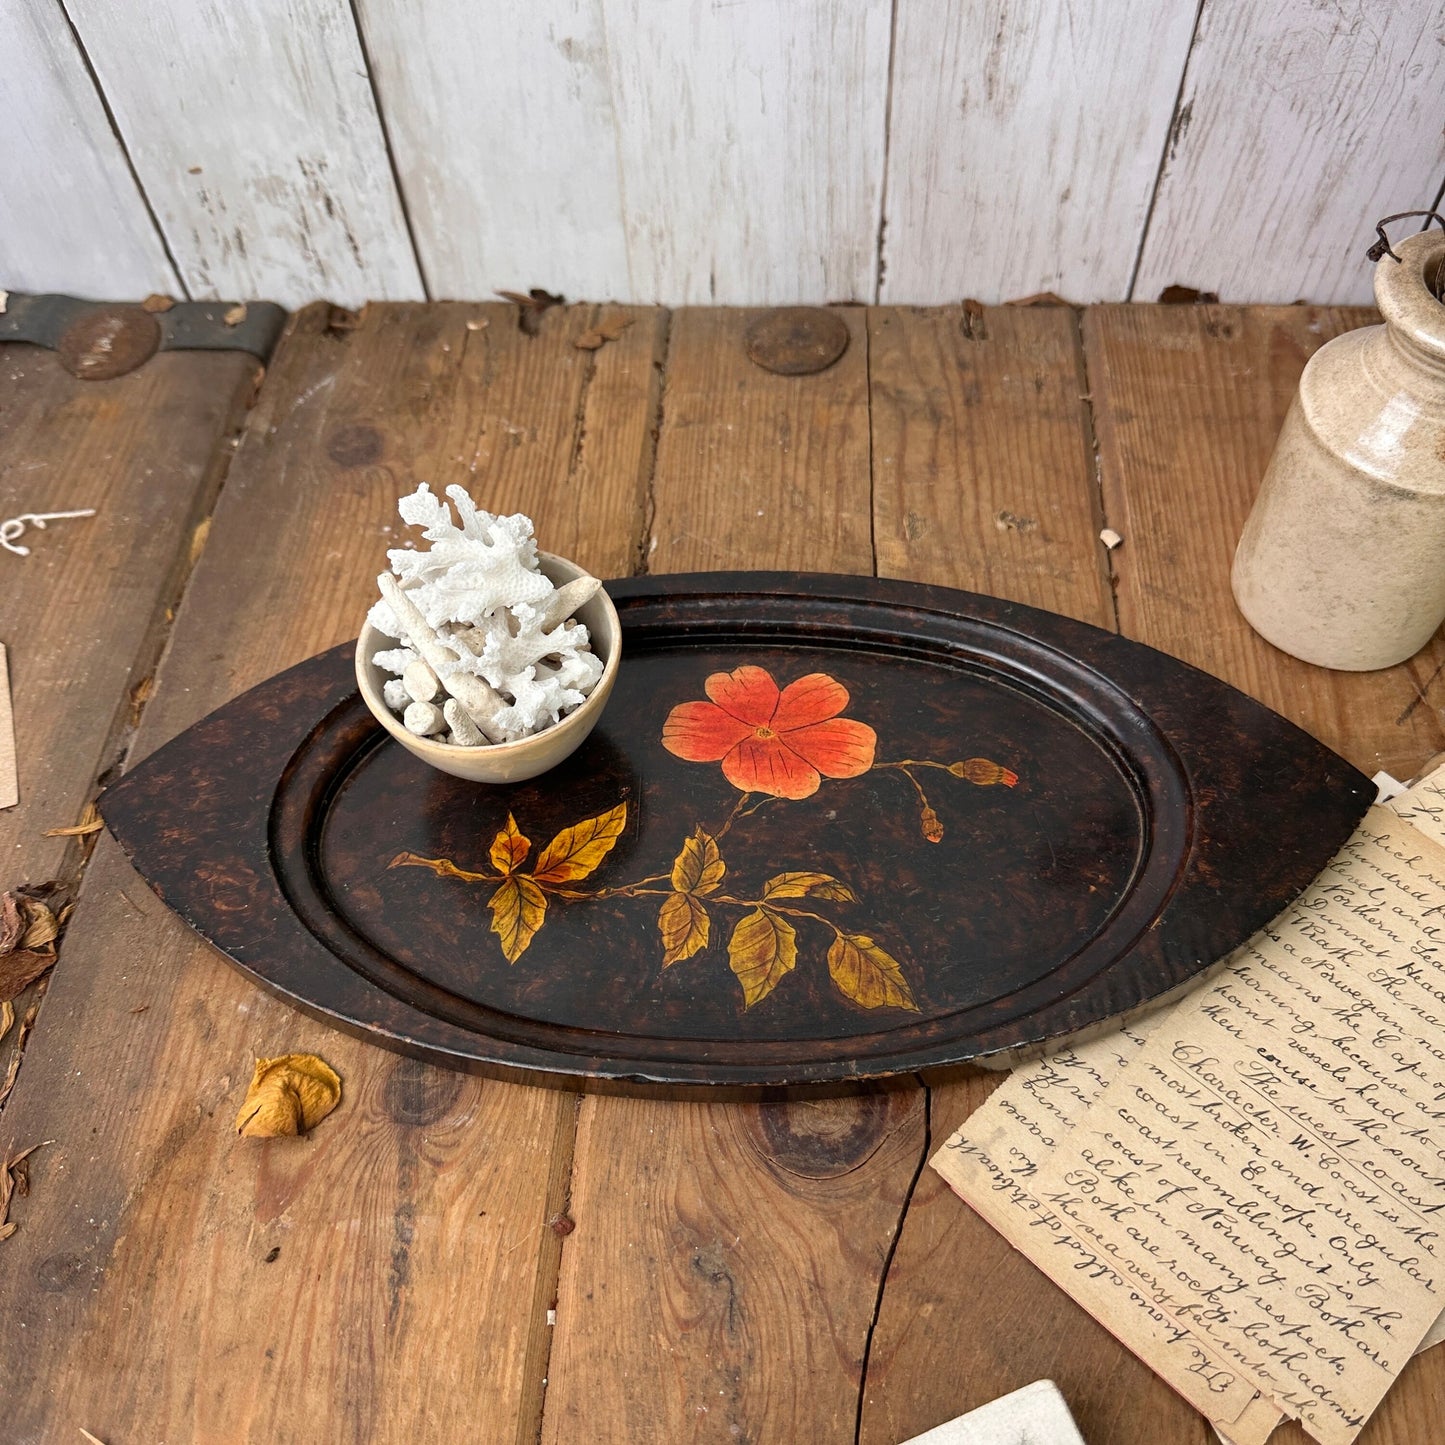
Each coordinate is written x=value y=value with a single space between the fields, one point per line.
x=1414 y=318
x=1404 y=354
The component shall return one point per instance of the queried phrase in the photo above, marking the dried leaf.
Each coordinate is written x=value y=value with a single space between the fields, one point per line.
x=577 y=851
x=809 y=885
x=762 y=949
x=509 y=848
x=12 y=922
x=90 y=822
x=26 y=1024
x=531 y=306
x=866 y=974
x=288 y=1095
x=684 y=925
x=14 y=1174
x=20 y=969
x=699 y=868
x=236 y=315
x=602 y=333
x=198 y=541
x=155 y=302
x=7 y=1018
x=519 y=909
x=41 y=925
x=94 y=1439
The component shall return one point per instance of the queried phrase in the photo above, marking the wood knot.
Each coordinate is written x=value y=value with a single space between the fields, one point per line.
x=57 y=1273
x=417 y=1093
x=355 y=446
x=823 y=1138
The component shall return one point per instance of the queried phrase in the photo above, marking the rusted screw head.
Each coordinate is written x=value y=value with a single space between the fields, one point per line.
x=108 y=341
x=796 y=340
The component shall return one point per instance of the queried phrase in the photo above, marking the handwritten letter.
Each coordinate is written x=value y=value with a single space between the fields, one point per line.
x=1258 y=1174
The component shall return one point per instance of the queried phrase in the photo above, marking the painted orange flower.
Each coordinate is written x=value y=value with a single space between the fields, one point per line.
x=773 y=741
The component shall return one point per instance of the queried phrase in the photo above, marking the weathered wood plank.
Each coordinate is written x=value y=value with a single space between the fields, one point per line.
x=514 y=182
x=1188 y=403
x=722 y=1276
x=749 y=142
x=71 y=216
x=1024 y=143
x=390 y=1275
x=84 y=609
x=254 y=131
x=982 y=462
x=1299 y=126
x=984 y=477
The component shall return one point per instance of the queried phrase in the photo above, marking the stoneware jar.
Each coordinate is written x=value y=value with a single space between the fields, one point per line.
x=1342 y=561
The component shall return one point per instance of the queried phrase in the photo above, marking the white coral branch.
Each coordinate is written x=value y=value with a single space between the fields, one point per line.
x=480 y=589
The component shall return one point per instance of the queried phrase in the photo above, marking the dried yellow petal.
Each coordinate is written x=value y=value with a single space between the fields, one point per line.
x=288 y=1095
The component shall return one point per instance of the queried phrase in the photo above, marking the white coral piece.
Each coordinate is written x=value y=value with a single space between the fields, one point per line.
x=480 y=587
x=470 y=570
x=397 y=660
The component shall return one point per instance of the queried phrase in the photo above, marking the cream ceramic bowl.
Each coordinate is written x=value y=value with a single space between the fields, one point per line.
x=506 y=762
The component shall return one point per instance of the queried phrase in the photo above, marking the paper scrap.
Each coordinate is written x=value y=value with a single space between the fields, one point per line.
x=1245 y=1189
x=9 y=774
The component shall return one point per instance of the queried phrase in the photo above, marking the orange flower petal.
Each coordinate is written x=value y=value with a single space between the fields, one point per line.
x=748 y=693
x=765 y=765
x=812 y=699
x=701 y=732
x=840 y=748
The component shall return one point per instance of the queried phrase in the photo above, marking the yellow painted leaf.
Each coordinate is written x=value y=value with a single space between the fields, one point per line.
x=868 y=975
x=519 y=908
x=288 y=1095
x=509 y=848
x=762 y=949
x=684 y=925
x=699 y=868
x=576 y=851
x=805 y=885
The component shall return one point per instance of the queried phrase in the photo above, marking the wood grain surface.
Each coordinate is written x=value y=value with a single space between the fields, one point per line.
x=83 y=614
x=1266 y=192
x=1024 y=141
x=91 y=235
x=749 y=144
x=1188 y=402
x=511 y=183
x=255 y=134
x=721 y=1282
x=380 y=1280
x=774 y=1271
x=985 y=481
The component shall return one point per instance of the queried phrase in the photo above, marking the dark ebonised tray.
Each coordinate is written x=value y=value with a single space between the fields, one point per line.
x=999 y=827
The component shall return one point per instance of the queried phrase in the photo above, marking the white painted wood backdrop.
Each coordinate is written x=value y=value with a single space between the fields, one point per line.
x=738 y=151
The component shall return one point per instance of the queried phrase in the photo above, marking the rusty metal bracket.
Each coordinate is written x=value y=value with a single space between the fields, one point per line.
x=96 y=340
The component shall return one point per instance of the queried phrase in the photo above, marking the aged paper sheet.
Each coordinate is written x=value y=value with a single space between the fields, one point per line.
x=1260 y=1173
x=993 y=1162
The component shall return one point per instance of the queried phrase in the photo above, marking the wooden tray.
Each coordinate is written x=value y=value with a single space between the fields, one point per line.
x=828 y=829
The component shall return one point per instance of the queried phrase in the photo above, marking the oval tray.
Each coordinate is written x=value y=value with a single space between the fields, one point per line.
x=828 y=829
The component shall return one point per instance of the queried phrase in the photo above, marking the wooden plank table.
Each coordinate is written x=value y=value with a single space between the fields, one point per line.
x=766 y=1272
